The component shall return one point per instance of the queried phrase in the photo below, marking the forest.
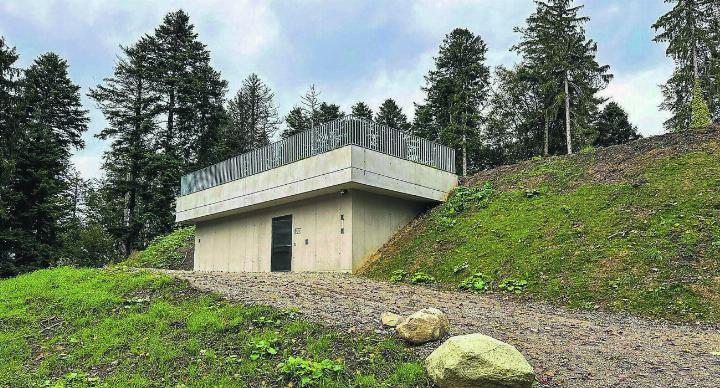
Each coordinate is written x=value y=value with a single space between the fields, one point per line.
x=169 y=112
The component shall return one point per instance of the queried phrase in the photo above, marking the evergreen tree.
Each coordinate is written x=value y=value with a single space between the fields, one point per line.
x=328 y=112
x=252 y=118
x=192 y=96
x=613 y=126
x=562 y=59
x=360 y=109
x=296 y=122
x=391 y=114
x=52 y=122
x=456 y=90
x=690 y=30
x=514 y=130
x=700 y=114
x=8 y=139
x=131 y=108
x=311 y=113
x=422 y=124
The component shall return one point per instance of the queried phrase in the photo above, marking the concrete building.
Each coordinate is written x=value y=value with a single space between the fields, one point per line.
x=323 y=200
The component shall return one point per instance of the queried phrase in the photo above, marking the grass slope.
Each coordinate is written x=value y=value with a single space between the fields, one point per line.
x=633 y=228
x=89 y=327
x=172 y=251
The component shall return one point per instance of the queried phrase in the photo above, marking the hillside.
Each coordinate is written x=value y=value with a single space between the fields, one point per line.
x=631 y=228
x=91 y=327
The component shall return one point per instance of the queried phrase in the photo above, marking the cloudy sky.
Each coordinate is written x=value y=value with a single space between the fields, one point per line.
x=352 y=50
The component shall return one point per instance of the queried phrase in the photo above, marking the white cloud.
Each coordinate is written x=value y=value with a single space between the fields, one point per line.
x=88 y=163
x=639 y=94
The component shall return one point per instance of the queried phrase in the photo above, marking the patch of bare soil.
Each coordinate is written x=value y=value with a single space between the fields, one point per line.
x=567 y=348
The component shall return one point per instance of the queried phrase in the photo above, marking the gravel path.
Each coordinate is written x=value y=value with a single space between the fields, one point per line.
x=567 y=348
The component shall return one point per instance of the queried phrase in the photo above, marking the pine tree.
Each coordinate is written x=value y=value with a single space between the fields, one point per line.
x=360 y=109
x=690 y=30
x=391 y=114
x=613 y=126
x=52 y=122
x=192 y=97
x=131 y=108
x=423 y=124
x=515 y=124
x=310 y=103
x=554 y=47
x=456 y=90
x=328 y=112
x=700 y=114
x=8 y=139
x=252 y=118
x=296 y=121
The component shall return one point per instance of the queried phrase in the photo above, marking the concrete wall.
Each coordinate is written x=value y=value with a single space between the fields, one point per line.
x=375 y=218
x=341 y=232
x=242 y=242
x=344 y=168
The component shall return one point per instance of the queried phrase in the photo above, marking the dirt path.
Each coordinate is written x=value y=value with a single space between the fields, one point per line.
x=567 y=348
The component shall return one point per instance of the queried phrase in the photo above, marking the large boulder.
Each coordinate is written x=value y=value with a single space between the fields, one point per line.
x=422 y=326
x=476 y=360
x=390 y=319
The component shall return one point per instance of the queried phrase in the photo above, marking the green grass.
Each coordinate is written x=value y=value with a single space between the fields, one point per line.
x=87 y=327
x=648 y=245
x=167 y=252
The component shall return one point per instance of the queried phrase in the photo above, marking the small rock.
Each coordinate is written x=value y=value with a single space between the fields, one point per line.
x=422 y=326
x=476 y=360
x=390 y=319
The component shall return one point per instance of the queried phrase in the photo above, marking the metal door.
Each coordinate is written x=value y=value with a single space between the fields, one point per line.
x=281 y=252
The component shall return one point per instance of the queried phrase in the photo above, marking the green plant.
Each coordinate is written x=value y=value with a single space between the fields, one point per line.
x=398 y=275
x=476 y=282
x=308 y=372
x=421 y=278
x=700 y=114
x=516 y=286
x=587 y=149
x=264 y=347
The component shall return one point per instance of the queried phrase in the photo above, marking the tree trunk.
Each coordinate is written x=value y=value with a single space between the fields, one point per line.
x=464 y=154
x=567 y=116
x=546 y=149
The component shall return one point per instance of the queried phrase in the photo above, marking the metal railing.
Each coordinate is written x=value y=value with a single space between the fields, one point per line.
x=349 y=130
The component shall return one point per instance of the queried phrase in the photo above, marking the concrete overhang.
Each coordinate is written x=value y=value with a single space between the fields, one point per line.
x=349 y=167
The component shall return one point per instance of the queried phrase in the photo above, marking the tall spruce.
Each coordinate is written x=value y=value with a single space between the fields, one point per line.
x=690 y=31
x=8 y=139
x=391 y=114
x=456 y=91
x=613 y=126
x=554 y=47
x=51 y=124
x=252 y=118
x=362 y=110
x=296 y=121
x=131 y=107
x=192 y=97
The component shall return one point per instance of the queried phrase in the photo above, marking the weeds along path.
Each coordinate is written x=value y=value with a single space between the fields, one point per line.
x=567 y=348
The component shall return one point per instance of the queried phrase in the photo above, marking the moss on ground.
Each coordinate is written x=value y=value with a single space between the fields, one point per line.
x=88 y=327
x=646 y=240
